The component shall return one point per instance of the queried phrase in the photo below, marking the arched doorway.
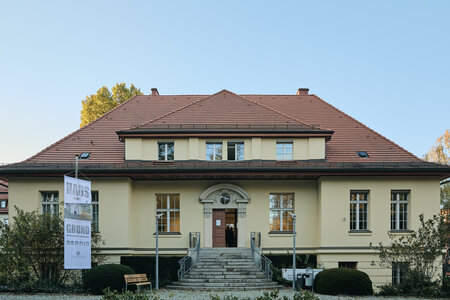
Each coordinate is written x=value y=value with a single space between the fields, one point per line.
x=217 y=201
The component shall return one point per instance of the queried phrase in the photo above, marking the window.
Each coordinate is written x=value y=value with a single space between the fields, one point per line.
x=94 y=211
x=399 y=210
x=214 y=151
x=280 y=207
x=347 y=264
x=50 y=202
x=6 y=221
x=169 y=206
x=3 y=204
x=398 y=272
x=165 y=151
x=284 y=150
x=358 y=210
x=363 y=154
x=235 y=150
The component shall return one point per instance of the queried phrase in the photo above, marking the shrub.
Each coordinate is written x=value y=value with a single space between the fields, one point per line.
x=343 y=281
x=106 y=276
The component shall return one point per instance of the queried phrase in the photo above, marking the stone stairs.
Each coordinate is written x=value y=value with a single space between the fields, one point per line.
x=224 y=269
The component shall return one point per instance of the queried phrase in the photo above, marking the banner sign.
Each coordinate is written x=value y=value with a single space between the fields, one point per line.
x=77 y=223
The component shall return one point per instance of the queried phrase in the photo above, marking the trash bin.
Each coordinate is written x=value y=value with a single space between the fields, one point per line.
x=302 y=280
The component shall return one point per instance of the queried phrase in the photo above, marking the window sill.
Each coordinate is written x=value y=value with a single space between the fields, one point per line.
x=359 y=232
x=280 y=233
x=168 y=235
x=405 y=231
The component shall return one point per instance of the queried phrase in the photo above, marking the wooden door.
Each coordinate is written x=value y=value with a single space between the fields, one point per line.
x=218 y=228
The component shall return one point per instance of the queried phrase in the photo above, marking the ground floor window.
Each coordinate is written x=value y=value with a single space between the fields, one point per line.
x=95 y=211
x=281 y=204
x=398 y=272
x=348 y=264
x=50 y=202
x=169 y=206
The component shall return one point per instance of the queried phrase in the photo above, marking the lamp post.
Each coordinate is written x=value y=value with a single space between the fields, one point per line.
x=84 y=155
x=156 y=262
x=294 y=217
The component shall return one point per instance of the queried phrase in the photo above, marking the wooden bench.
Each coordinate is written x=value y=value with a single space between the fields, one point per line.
x=136 y=279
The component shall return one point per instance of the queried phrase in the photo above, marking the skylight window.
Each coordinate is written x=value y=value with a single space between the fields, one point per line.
x=363 y=154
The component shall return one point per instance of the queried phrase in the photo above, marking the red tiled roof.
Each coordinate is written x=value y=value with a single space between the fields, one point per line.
x=3 y=188
x=100 y=138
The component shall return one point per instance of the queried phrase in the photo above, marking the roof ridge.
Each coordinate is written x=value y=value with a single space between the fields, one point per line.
x=221 y=91
x=175 y=110
x=367 y=127
x=278 y=112
x=79 y=129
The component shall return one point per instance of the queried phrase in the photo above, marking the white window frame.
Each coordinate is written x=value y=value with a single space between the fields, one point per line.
x=166 y=146
x=95 y=203
x=53 y=205
x=284 y=155
x=282 y=209
x=397 y=203
x=215 y=146
x=235 y=152
x=358 y=212
x=168 y=210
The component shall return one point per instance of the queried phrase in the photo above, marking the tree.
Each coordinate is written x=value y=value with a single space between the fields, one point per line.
x=32 y=249
x=440 y=153
x=96 y=105
x=418 y=254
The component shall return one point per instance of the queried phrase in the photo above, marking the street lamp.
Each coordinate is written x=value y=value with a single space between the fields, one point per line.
x=84 y=155
x=294 y=217
x=156 y=263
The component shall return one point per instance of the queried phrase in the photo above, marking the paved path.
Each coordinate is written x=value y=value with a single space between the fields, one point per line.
x=188 y=295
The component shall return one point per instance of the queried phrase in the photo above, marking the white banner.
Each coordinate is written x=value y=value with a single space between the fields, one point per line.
x=77 y=191
x=77 y=223
x=287 y=273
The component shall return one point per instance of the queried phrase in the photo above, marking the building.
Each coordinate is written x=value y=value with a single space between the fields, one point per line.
x=4 y=201
x=244 y=161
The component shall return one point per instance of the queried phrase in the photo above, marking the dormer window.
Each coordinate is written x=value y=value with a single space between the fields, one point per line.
x=165 y=151
x=284 y=150
x=363 y=154
x=214 y=151
x=235 y=150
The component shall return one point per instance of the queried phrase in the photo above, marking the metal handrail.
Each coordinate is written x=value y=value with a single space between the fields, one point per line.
x=261 y=261
x=187 y=262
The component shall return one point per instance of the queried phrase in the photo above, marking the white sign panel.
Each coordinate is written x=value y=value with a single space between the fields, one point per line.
x=77 y=223
x=77 y=191
x=287 y=273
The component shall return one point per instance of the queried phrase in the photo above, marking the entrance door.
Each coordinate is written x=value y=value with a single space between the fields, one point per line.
x=218 y=227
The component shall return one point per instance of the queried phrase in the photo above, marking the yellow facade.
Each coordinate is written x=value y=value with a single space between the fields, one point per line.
x=127 y=210
x=195 y=148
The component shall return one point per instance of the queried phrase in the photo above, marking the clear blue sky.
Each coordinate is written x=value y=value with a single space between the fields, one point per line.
x=386 y=63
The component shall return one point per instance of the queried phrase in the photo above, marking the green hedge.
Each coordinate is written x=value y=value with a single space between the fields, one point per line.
x=103 y=276
x=283 y=261
x=343 y=281
x=168 y=267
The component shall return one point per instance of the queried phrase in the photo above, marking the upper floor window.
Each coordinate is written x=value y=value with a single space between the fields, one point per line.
x=358 y=210
x=94 y=204
x=280 y=207
x=50 y=202
x=165 y=151
x=235 y=150
x=214 y=151
x=3 y=204
x=284 y=150
x=399 y=210
x=169 y=206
